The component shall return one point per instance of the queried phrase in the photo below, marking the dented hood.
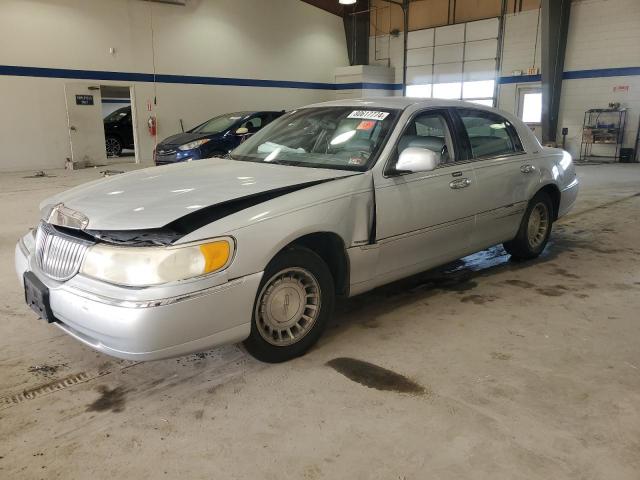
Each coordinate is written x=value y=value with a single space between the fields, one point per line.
x=155 y=197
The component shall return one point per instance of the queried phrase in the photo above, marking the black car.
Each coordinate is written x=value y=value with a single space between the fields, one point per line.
x=118 y=131
x=214 y=138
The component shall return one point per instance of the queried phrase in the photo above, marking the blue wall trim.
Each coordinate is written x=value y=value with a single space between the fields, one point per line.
x=20 y=71
x=602 y=72
x=14 y=70
x=576 y=74
x=519 y=79
x=115 y=100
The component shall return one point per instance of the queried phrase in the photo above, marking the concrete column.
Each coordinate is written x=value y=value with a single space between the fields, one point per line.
x=555 y=25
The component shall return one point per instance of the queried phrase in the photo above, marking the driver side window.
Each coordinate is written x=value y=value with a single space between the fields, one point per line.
x=429 y=131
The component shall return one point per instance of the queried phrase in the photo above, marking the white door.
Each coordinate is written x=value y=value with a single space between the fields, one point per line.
x=86 y=130
x=425 y=219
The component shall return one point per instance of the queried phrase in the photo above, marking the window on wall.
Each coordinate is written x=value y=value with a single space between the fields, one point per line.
x=480 y=92
x=419 y=91
x=532 y=107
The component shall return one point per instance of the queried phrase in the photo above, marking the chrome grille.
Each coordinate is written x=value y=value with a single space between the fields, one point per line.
x=58 y=255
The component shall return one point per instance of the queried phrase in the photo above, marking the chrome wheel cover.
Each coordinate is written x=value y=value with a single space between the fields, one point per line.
x=538 y=225
x=288 y=306
x=112 y=145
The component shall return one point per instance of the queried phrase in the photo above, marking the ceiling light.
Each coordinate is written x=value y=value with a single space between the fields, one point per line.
x=347 y=2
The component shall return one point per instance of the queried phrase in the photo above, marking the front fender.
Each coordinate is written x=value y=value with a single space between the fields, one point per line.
x=344 y=207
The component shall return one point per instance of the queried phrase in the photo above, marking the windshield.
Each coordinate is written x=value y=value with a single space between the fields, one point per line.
x=342 y=138
x=118 y=114
x=219 y=124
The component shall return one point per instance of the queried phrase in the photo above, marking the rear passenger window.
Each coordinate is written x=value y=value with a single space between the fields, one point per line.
x=490 y=134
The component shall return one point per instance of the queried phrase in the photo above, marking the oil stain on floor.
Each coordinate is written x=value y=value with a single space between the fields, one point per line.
x=113 y=400
x=373 y=376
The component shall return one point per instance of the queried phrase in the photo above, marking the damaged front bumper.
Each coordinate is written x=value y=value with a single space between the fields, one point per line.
x=147 y=323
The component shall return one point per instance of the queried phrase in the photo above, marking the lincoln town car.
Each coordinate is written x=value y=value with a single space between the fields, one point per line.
x=327 y=201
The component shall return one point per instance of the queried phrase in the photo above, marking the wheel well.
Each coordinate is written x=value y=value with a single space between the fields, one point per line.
x=554 y=194
x=330 y=247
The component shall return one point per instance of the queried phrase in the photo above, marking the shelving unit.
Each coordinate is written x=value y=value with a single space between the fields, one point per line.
x=602 y=126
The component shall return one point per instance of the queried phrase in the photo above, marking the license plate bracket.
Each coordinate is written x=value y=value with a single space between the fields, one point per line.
x=36 y=294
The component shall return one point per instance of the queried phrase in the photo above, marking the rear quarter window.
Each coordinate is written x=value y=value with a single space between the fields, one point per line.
x=490 y=134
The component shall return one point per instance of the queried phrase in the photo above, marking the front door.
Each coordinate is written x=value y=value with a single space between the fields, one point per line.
x=425 y=219
x=86 y=129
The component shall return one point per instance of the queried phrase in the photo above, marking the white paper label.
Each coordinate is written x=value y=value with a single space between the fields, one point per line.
x=368 y=115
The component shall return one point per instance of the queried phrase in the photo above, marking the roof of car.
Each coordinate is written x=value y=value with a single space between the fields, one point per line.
x=395 y=102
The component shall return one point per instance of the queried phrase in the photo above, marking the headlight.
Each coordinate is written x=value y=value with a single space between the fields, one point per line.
x=194 y=144
x=143 y=266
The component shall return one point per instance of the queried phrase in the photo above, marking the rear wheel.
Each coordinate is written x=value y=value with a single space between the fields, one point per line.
x=113 y=146
x=535 y=229
x=294 y=301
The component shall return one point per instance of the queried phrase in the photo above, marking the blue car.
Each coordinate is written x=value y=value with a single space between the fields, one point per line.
x=214 y=138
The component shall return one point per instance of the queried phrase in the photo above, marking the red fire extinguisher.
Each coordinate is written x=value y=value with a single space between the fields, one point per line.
x=151 y=124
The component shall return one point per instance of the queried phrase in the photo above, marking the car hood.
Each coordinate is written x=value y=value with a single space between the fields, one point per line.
x=182 y=138
x=154 y=197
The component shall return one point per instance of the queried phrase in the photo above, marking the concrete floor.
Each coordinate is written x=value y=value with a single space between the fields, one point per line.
x=494 y=370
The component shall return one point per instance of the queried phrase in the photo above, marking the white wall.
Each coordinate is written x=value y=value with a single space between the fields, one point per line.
x=603 y=34
x=252 y=39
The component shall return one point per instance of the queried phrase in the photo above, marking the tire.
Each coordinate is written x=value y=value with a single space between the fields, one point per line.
x=113 y=145
x=282 y=327
x=534 y=230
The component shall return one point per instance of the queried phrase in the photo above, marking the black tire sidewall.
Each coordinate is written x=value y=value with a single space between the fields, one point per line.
x=307 y=259
x=519 y=247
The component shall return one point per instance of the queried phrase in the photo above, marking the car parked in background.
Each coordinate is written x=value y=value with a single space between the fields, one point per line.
x=118 y=131
x=214 y=138
x=333 y=199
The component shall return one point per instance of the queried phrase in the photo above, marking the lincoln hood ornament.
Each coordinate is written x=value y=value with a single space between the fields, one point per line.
x=67 y=217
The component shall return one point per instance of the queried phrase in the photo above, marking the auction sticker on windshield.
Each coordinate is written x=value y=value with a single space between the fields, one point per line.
x=368 y=115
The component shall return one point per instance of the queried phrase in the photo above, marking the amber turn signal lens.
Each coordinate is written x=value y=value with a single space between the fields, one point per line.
x=216 y=255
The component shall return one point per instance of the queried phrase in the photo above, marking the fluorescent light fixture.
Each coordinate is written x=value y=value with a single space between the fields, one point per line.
x=347 y=2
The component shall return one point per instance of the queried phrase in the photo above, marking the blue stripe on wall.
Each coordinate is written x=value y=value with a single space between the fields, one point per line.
x=576 y=74
x=14 y=70
x=184 y=79
x=115 y=100
x=519 y=79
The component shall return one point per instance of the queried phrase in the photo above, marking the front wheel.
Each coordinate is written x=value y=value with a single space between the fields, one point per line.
x=535 y=229
x=294 y=301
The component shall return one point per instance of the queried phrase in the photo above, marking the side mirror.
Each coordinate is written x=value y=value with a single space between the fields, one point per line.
x=242 y=131
x=413 y=159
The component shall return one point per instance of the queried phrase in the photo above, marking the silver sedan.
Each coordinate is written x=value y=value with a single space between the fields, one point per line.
x=329 y=200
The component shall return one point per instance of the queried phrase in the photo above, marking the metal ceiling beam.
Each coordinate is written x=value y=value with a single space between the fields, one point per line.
x=331 y=6
x=555 y=26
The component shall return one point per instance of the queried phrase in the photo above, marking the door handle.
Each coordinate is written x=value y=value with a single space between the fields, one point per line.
x=528 y=168
x=72 y=128
x=460 y=183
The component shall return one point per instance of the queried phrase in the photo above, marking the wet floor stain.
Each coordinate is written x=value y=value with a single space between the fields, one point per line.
x=478 y=299
x=374 y=376
x=552 y=291
x=563 y=272
x=110 y=399
x=519 y=283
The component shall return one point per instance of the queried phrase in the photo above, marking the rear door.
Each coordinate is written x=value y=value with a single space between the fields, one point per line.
x=503 y=171
x=425 y=219
x=86 y=128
